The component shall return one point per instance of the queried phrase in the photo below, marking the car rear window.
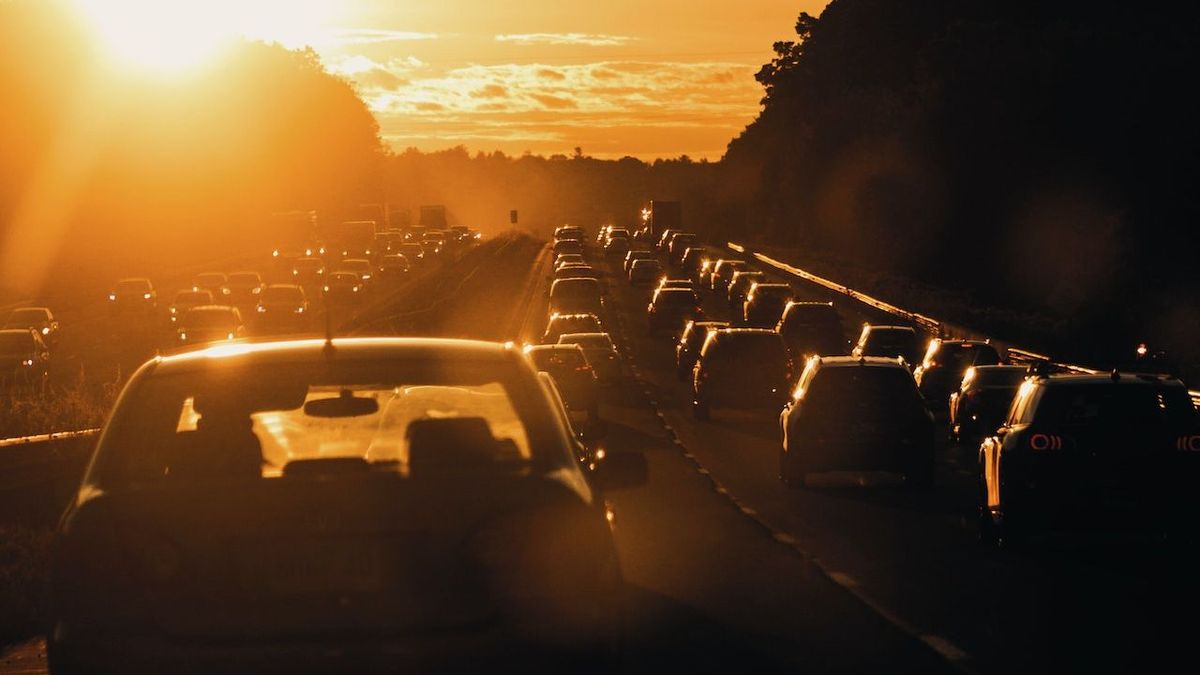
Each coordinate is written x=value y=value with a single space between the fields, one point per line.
x=133 y=286
x=23 y=317
x=11 y=343
x=890 y=342
x=1114 y=406
x=283 y=294
x=209 y=319
x=958 y=357
x=748 y=348
x=858 y=388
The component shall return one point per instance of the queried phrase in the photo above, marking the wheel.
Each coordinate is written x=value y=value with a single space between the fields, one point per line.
x=790 y=473
x=701 y=410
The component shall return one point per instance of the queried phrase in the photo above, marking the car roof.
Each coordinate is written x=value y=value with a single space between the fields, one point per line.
x=226 y=309
x=1076 y=379
x=850 y=361
x=875 y=328
x=592 y=334
x=746 y=331
x=28 y=309
x=14 y=331
x=574 y=316
x=127 y=279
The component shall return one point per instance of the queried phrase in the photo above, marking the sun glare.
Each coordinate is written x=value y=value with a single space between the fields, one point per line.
x=170 y=36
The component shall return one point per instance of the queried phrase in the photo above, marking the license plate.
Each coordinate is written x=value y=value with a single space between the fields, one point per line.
x=326 y=567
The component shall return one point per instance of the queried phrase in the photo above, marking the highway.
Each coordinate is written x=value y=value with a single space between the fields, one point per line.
x=730 y=571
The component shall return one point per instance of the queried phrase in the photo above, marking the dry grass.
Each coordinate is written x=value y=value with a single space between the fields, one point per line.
x=24 y=564
x=78 y=405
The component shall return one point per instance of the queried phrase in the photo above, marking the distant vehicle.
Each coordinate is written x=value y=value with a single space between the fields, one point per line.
x=645 y=271
x=636 y=254
x=664 y=215
x=704 y=272
x=213 y=282
x=558 y=324
x=722 y=272
x=282 y=307
x=1100 y=453
x=24 y=358
x=244 y=288
x=360 y=266
x=689 y=265
x=209 y=323
x=856 y=414
x=764 y=304
x=187 y=299
x=40 y=319
x=945 y=364
x=685 y=284
x=573 y=270
x=432 y=217
x=348 y=239
x=309 y=272
x=889 y=342
x=568 y=246
x=412 y=252
x=392 y=267
x=663 y=238
x=739 y=285
x=812 y=329
x=981 y=402
x=687 y=350
x=617 y=246
x=741 y=368
x=575 y=378
x=600 y=352
x=135 y=295
x=570 y=232
x=670 y=309
x=576 y=296
x=420 y=487
x=678 y=244
x=343 y=288
x=569 y=258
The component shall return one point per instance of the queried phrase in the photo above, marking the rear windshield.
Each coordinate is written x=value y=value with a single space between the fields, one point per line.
x=575 y=288
x=574 y=323
x=11 y=343
x=674 y=297
x=193 y=297
x=869 y=388
x=999 y=377
x=890 y=343
x=1114 y=406
x=748 y=348
x=308 y=263
x=244 y=279
x=958 y=357
x=587 y=341
x=217 y=422
x=811 y=315
x=551 y=360
x=283 y=294
x=210 y=279
x=133 y=286
x=646 y=263
x=209 y=319
x=23 y=317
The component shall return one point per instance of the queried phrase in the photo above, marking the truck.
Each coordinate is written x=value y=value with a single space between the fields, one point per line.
x=348 y=239
x=433 y=217
x=664 y=215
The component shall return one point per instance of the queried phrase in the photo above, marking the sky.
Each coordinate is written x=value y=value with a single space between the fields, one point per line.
x=648 y=78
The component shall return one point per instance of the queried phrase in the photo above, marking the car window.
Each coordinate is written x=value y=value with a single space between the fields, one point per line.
x=16 y=342
x=1114 y=406
x=850 y=388
x=133 y=286
x=209 y=319
x=282 y=294
x=27 y=316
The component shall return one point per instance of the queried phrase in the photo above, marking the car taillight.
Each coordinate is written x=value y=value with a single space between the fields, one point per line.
x=1190 y=443
x=1041 y=442
x=584 y=368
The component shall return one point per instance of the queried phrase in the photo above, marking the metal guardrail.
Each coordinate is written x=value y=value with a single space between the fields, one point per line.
x=934 y=326
x=45 y=438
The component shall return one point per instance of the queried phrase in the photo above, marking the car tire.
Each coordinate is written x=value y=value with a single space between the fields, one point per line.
x=701 y=410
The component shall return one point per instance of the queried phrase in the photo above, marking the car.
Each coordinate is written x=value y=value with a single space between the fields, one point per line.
x=559 y=324
x=704 y=272
x=1100 y=453
x=944 y=366
x=644 y=271
x=569 y=258
x=571 y=270
x=764 y=304
x=600 y=352
x=722 y=272
x=209 y=323
x=360 y=266
x=889 y=342
x=856 y=414
x=616 y=246
x=740 y=368
x=685 y=284
x=40 y=319
x=243 y=288
x=678 y=245
x=186 y=299
x=639 y=254
x=687 y=350
x=412 y=252
x=568 y=246
x=570 y=232
x=983 y=397
x=334 y=505
x=812 y=329
x=578 y=295
x=392 y=267
x=664 y=238
x=213 y=282
x=282 y=307
x=602 y=234
x=574 y=376
x=693 y=258
x=739 y=285
x=670 y=309
x=309 y=271
x=343 y=288
x=24 y=358
x=135 y=295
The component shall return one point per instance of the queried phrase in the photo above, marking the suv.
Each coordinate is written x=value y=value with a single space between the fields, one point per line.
x=559 y=324
x=983 y=397
x=644 y=271
x=764 y=304
x=40 y=319
x=944 y=366
x=575 y=378
x=24 y=358
x=689 y=264
x=679 y=244
x=856 y=414
x=669 y=308
x=687 y=350
x=578 y=295
x=722 y=271
x=889 y=342
x=209 y=323
x=742 y=368
x=812 y=329
x=1098 y=452
x=739 y=285
x=134 y=295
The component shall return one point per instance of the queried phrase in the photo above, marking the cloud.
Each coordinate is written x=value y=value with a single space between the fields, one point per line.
x=368 y=36
x=584 y=39
x=550 y=74
x=490 y=91
x=554 y=102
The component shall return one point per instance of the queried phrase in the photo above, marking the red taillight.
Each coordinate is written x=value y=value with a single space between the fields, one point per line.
x=1045 y=442
x=1190 y=443
x=583 y=369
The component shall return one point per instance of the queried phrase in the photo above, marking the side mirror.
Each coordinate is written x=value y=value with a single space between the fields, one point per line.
x=621 y=469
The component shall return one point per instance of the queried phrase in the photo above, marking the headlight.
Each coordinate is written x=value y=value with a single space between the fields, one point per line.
x=112 y=296
x=27 y=362
x=308 y=251
x=260 y=309
x=275 y=253
x=225 y=291
x=366 y=276
x=256 y=290
x=146 y=296
x=326 y=289
x=368 y=251
x=355 y=289
x=229 y=336
x=299 y=310
x=183 y=336
x=295 y=273
x=45 y=330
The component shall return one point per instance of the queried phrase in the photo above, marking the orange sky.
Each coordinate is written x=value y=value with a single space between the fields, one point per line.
x=648 y=78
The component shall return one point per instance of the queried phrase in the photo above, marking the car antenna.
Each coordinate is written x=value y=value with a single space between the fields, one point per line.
x=328 y=349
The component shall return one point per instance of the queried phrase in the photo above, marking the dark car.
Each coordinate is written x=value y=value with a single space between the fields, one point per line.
x=568 y=246
x=360 y=266
x=739 y=286
x=343 y=288
x=331 y=507
x=687 y=350
x=645 y=271
x=664 y=239
x=889 y=342
x=722 y=273
x=741 y=368
x=392 y=267
x=945 y=364
x=1102 y=453
x=678 y=245
x=689 y=264
x=575 y=270
x=671 y=308
x=187 y=299
x=40 y=319
x=412 y=252
x=214 y=282
x=764 y=304
x=812 y=329
x=24 y=358
x=576 y=296
x=574 y=376
x=616 y=246
x=637 y=255
x=282 y=307
x=209 y=323
x=309 y=272
x=981 y=402
x=559 y=324
x=856 y=414
x=600 y=352
x=134 y=296
x=244 y=288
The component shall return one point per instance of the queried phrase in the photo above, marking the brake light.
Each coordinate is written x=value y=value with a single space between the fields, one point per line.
x=1045 y=442
x=1190 y=443
x=584 y=368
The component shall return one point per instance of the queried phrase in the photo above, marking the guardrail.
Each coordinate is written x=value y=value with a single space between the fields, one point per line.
x=934 y=326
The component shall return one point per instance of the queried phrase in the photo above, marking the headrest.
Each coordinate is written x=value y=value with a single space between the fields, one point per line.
x=453 y=443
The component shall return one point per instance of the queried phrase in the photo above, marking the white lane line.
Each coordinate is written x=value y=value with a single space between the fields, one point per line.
x=785 y=538
x=946 y=648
